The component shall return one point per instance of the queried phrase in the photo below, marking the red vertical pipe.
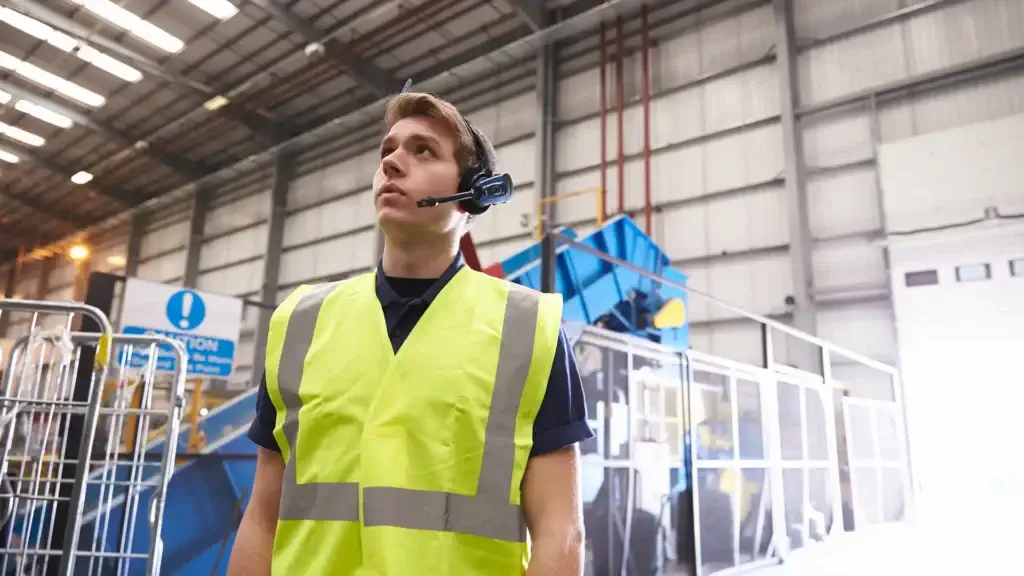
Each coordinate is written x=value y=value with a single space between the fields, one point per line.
x=620 y=102
x=604 y=125
x=646 y=88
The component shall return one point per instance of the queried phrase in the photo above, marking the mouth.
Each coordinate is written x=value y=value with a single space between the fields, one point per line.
x=390 y=188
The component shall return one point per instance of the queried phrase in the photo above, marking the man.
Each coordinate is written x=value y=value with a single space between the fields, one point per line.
x=393 y=451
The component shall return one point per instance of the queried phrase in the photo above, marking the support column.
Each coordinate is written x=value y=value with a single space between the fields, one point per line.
x=131 y=264
x=9 y=287
x=284 y=170
x=800 y=241
x=544 y=181
x=46 y=268
x=197 y=227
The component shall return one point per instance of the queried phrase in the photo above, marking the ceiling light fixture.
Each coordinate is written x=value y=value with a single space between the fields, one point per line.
x=220 y=9
x=49 y=80
x=134 y=25
x=82 y=178
x=43 y=113
x=78 y=252
x=24 y=136
x=66 y=43
x=8 y=157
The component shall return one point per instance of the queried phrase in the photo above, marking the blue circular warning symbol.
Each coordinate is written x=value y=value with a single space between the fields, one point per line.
x=186 y=310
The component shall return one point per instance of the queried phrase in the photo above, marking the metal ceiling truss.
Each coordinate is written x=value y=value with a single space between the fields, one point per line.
x=189 y=169
x=363 y=70
x=202 y=91
x=111 y=192
x=532 y=12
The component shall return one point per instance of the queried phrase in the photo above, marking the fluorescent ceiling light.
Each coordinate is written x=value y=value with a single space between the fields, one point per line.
x=51 y=81
x=8 y=157
x=39 y=111
x=220 y=9
x=68 y=44
x=131 y=23
x=43 y=113
x=215 y=103
x=81 y=178
x=15 y=133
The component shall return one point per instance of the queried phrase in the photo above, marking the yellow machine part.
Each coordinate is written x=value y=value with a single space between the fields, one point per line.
x=671 y=315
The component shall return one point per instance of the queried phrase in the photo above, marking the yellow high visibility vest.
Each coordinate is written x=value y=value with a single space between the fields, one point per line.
x=407 y=464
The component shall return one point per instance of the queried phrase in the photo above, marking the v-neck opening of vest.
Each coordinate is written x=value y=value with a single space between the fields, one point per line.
x=382 y=322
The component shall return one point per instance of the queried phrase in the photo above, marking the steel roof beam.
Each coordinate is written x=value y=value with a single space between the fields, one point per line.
x=26 y=202
x=114 y=193
x=189 y=169
x=363 y=70
x=253 y=120
x=532 y=12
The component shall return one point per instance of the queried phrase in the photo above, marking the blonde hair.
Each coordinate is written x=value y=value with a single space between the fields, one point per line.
x=410 y=104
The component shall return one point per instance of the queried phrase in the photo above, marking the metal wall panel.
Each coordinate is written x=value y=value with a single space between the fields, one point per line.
x=757 y=282
x=167 y=268
x=815 y=19
x=844 y=202
x=853 y=63
x=854 y=263
x=242 y=279
x=236 y=213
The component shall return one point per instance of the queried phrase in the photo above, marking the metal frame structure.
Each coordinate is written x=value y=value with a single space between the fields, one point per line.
x=118 y=470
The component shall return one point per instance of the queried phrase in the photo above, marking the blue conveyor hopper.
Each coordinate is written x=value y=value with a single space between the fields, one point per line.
x=598 y=292
x=208 y=493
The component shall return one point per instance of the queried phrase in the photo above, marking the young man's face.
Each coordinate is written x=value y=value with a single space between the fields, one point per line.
x=417 y=160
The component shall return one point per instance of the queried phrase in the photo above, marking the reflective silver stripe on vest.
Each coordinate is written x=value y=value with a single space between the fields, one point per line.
x=320 y=501
x=487 y=514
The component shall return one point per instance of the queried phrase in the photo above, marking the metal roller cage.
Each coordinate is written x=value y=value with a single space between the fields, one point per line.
x=85 y=458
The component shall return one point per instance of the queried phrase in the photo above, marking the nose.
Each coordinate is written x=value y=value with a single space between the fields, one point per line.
x=390 y=166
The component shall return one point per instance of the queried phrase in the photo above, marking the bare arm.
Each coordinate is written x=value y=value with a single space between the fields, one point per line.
x=554 y=513
x=254 y=544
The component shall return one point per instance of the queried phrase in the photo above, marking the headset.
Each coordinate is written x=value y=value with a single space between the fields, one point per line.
x=479 y=188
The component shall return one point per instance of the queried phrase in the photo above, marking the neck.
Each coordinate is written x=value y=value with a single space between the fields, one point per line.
x=420 y=258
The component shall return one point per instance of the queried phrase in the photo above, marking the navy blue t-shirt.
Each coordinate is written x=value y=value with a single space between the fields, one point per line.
x=562 y=417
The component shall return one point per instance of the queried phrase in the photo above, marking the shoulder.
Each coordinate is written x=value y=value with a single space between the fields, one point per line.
x=321 y=290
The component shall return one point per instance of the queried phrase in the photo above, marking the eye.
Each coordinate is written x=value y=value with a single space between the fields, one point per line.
x=424 y=149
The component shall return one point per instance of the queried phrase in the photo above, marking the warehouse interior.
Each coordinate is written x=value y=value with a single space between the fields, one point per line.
x=801 y=220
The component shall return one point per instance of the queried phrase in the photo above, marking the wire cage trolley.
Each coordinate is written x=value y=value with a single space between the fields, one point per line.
x=89 y=423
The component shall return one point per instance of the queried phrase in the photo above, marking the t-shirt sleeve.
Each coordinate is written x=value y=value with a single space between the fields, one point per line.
x=261 y=431
x=562 y=417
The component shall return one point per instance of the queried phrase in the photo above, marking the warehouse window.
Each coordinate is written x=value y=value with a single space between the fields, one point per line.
x=921 y=278
x=1017 y=268
x=973 y=272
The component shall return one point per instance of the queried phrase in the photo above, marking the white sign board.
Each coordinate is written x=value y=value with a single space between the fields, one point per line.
x=207 y=324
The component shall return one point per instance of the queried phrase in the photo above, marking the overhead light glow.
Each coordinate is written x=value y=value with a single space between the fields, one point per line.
x=43 y=113
x=132 y=24
x=220 y=9
x=24 y=136
x=215 y=103
x=52 y=81
x=81 y=178
x=62 y=41
x=38 y=110
x=78 y=252
x=8 y=157
x=117 y=261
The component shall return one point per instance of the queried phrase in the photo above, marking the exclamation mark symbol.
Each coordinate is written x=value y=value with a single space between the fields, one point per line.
x=186 y=308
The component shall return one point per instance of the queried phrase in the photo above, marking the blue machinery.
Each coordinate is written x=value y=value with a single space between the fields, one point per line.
x=208 y=493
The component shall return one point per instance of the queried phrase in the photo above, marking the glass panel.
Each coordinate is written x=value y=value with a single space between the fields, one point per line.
x=865 y=495
x=817 y=432
x=751 y=430
x=789 y=421
x=888 y=436
x=821 y=503
x=862 y=443
x=793 y=489
x=755 y=515
x=893 y=492
x=716 y=518
x=712 y=412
